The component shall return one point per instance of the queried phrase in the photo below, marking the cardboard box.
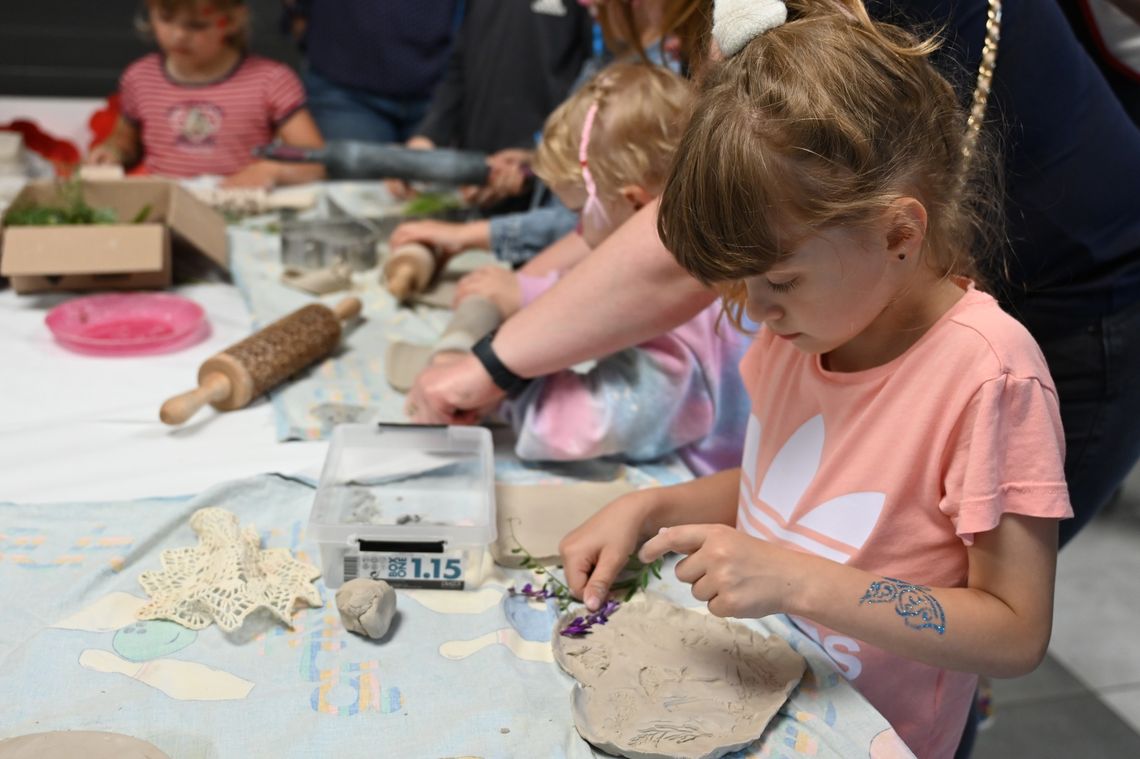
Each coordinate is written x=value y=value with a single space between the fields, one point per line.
x=180 y=232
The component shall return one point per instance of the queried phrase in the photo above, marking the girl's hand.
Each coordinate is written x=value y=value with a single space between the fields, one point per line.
x=105 y=155
x=261 y=174
x=447 y=238
x=509 y=173
x=496 y=284
x=736 y=574
x=594 y=554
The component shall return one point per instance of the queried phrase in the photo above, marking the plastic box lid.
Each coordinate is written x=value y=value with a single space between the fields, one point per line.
x=406 y=484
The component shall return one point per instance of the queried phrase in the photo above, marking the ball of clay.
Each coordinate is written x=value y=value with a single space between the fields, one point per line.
x=366 y=606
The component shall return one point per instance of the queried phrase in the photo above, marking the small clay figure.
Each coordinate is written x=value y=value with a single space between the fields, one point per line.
x=366 y=606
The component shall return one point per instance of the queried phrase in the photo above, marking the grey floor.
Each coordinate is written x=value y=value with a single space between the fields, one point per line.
x=1084 y=700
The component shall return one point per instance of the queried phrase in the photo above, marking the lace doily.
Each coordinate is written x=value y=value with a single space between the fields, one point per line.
x=226 y=577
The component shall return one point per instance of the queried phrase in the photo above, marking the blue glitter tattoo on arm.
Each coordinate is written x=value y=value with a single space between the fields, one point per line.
x=914 y=603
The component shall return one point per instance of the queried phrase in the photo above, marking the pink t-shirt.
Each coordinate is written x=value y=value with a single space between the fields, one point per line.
x=893 y=469
x=208 y=128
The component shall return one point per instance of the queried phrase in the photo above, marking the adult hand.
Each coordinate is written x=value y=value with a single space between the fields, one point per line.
x=460 y=392
x=496 y=284
x=510 y=171
x=594 y=554
x=399 y=188
x=445 y=237
x=736 y=574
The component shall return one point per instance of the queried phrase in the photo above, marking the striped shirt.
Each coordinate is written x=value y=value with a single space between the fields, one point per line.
x=208 y=127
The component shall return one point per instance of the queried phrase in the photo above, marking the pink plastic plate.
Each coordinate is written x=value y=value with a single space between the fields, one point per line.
x=127 y=323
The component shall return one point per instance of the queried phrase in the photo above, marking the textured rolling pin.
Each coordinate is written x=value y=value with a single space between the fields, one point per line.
x=257 y=364
x=408 y=270
x=354 y=159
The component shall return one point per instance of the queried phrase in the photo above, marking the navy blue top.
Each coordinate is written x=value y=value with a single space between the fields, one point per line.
x=392 y=48
x=1072 y=155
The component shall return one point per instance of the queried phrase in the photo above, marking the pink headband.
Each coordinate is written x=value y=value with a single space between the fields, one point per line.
x=593 y=205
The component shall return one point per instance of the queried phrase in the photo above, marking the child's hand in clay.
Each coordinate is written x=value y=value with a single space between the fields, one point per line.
x=596 y=552
x=738 y=575
x=446 y=238
x=496 y=284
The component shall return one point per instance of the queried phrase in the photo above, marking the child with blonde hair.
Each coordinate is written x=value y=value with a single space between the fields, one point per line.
x=902 y=477
x=203 y=103
x=606 y=153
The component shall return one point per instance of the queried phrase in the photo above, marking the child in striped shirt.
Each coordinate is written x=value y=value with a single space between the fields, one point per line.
x=202 y=103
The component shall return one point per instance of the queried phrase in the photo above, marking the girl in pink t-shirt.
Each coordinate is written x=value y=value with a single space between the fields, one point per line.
x=902 y=475
x=203 y=104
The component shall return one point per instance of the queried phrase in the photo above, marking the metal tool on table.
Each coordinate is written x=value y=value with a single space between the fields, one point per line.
x=320 y=243
x=265 y=359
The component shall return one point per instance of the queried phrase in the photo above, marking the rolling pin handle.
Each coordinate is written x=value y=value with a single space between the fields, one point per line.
x=214 y=388
x=348 y=308
x=402 y=280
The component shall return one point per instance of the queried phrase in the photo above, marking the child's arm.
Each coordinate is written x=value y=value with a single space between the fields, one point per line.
x=595 y=552
x=121 y=146
x=299 y=130
x=564 y=254
x=999 y=625
x=448 y=238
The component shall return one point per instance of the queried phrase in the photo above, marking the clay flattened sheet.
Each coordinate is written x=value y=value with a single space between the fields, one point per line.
x=662 y=681
x=539 y=516
x=88 y=744
x=403 y=362
x=441 y=292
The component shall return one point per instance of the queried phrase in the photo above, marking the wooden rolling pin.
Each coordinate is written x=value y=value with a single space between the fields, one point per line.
x=409 y=270
x=257 y=364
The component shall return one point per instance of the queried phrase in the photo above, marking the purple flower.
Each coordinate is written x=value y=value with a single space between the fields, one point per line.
x=530 y=591
x=581 y=625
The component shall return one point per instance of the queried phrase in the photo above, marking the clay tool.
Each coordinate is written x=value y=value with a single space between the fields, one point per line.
x=408 y=270
x=257 y=364
x=355 y=159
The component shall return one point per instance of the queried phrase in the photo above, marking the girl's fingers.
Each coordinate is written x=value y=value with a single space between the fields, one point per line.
x=704 y=589
x=691 y=569
x=686 y=539
x=610 y=563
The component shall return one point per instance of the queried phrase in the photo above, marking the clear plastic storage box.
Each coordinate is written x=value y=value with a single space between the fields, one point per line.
x=414 y=506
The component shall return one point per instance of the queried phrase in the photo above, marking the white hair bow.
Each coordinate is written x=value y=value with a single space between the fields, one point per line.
x=738 y=22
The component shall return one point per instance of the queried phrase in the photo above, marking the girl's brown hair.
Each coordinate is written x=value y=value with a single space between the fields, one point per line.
x=822 y=121
x=642 y=113
x=239 y=38
x=690 y=21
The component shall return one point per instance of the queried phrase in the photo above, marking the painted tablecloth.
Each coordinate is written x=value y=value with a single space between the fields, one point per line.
x=465 y=673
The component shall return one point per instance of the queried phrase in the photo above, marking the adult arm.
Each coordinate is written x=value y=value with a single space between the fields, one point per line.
x=441 y=124
x=626 y=291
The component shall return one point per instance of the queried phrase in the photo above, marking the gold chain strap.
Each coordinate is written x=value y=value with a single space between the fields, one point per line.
x=985 y=78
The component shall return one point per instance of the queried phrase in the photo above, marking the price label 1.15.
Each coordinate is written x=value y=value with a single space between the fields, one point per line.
x=443 y=571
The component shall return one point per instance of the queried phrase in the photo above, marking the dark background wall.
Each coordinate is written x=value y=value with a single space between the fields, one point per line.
x=78 y=48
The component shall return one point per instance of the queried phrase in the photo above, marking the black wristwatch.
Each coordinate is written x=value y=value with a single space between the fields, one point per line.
x=506 y=380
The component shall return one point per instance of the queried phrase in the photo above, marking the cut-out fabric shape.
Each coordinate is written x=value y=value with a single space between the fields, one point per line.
x=226 y=577
x=658 y=680
x=181 y=680
x=537 y=517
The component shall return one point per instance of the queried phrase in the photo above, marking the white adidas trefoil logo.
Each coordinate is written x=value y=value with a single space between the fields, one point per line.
x=549 y=7
x=847 y=519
